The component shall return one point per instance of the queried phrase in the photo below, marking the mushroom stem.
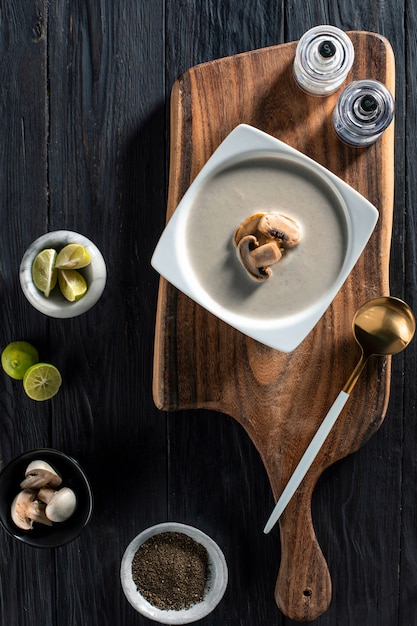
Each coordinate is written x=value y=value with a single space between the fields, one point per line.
x=256 y=259
x=46 y=494
x=26 y=509
x=36 y=512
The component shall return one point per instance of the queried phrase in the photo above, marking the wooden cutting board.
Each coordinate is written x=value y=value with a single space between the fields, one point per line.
x=280 y=399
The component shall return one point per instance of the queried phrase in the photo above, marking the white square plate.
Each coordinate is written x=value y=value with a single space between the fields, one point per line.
x=176 y=261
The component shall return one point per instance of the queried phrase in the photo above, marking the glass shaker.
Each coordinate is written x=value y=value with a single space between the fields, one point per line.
x=364 y=110
x=323 y=58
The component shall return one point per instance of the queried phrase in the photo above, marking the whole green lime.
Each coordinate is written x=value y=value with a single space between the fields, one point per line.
x=17 y=357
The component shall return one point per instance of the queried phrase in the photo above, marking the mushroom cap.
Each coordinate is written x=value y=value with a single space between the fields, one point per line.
x=281 y=227
x=248 y=227
x=40 y=474
x=61 y=505
x=26 y=509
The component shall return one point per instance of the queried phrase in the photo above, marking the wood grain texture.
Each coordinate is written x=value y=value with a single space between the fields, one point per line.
x=82 y=118
x=408 y=559
x=84 y=101
x=201 y=362
x=106 y=146
x=23 y=184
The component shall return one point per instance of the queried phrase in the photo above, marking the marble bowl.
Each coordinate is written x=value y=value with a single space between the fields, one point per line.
x=73 y=476
x=216 y=586
x=56 y=305
x=279 y=319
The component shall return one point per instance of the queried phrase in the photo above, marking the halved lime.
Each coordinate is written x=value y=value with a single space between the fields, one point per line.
x=44 y=274
x=73 y=256
x=17 y=357
x=72 y=284
x=42 y=381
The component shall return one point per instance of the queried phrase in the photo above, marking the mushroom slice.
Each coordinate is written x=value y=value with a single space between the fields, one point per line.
x=281 y=228
x=256 y=259
x=248 y=227
x=26 y=509
x=61 y=504
x=40 y=474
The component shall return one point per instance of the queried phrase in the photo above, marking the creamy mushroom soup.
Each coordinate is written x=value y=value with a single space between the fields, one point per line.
x=304 y=273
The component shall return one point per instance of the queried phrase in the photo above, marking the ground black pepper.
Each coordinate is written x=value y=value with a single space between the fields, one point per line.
x=171 y=570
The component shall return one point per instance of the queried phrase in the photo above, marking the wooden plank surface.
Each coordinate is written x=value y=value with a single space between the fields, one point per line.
x=85 y=90
x=201 y=362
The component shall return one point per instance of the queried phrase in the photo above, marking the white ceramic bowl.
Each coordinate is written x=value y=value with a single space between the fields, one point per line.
x=216 y=587
x=56 y=305
x=173 y=260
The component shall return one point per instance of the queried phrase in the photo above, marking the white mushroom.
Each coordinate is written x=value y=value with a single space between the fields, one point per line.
x=261 y=240
x=26 y=509
x=248 y=227
x=270 y=226
x=280 y=227
x=256 y=259
x=40 y=474
x=60 y=505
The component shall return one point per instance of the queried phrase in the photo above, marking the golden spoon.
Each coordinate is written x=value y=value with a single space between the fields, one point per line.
x=382 y=326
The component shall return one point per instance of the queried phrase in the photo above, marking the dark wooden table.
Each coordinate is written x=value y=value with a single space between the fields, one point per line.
x=84 y=107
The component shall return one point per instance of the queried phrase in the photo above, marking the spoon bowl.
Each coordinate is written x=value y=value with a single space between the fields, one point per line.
x=384 y=326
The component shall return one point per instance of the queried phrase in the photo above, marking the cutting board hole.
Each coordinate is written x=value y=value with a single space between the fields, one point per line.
x=307 y=592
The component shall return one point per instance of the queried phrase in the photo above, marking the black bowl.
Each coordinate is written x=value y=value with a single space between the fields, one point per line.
x=73 y=476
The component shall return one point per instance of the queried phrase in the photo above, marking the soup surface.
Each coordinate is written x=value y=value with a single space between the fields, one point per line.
x=304 y=273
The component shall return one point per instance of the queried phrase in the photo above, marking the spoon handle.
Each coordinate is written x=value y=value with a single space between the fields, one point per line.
x=307 y=459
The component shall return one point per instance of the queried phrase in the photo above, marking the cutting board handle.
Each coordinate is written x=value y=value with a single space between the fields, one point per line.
x=303 y=589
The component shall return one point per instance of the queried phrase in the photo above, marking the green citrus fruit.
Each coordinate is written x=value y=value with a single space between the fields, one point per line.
x=17 y=357
x=72 y=257
x=44 y=274
x=42 y=381
x=72 y=284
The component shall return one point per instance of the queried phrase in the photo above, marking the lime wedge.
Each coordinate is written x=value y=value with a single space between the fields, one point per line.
x=72 y=284
x=42 y=381
x=17 y=357
x=44 y=274
x=72 y=257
